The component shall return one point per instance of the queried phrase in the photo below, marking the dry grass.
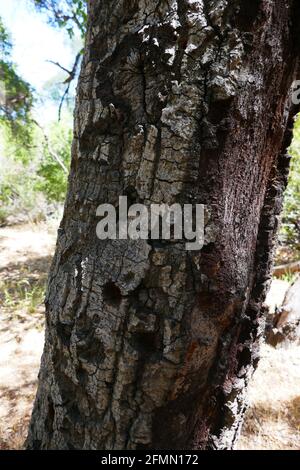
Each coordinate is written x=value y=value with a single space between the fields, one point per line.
x=24 y=260
x=273 y=419
x=19 y=366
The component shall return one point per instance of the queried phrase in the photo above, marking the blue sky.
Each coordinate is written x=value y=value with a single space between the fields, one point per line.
x=34 y=43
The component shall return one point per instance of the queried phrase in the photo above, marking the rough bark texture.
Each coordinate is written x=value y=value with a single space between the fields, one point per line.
x=149 y=345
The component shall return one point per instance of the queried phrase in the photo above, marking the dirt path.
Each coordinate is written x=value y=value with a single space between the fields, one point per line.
x=25 y=253
x=273 y=419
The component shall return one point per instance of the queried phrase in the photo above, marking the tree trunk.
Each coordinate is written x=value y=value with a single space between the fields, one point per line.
x=148 y=345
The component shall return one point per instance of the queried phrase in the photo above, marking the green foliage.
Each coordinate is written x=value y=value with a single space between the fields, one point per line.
x=53 y=178
x=5 y=43
x=16 y=97
x=33 y=180
x=22 y=295
x=290 y=232
x=19 y=201
x=68 y=14
x=20 y=148
x=34 y=162
x=289 y=277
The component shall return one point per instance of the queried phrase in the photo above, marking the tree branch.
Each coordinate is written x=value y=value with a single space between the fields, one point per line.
x=51 y=152
x=69 y=79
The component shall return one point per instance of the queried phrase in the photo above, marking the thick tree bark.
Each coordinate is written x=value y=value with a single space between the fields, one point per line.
x=149 y=345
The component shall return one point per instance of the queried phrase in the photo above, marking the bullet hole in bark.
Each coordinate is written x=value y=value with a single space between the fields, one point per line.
x=208 y=249
x=112 y=294
x=218 y=112
x=64 y=333
x=82 y=376
x=145 y=342
x=132 y=195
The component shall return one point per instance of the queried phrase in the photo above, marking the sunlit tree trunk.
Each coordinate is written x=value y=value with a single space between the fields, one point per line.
x=149 y=345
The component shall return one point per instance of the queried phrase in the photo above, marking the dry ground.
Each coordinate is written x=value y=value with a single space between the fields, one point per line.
x=25 y=253
x=273 y=419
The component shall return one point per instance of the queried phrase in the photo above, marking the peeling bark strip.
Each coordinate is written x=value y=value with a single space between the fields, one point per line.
x=149 y=345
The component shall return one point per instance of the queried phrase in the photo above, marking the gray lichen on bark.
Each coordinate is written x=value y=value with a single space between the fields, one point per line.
x=149 y=345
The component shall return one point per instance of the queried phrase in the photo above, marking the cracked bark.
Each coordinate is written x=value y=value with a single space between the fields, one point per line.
x=149 y=345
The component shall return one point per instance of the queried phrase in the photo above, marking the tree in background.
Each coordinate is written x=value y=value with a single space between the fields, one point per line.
x=290 y=233
x=53 y=167
x=33 y=179
x=71 y=16
x=35 y=160
x=16 y=95
x=68 y=14
x=148 y=345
